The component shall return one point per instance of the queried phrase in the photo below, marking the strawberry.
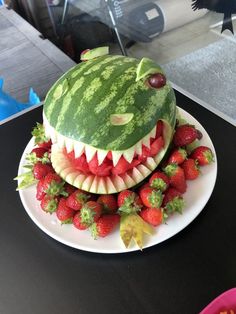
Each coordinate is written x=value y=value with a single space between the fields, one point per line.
x=203 y=155
x=109 y=203
x=40 y=138
x=49 y=203
x=105 y=225
x=173 y=201
x=129 y=202
x=53 y=184
x=77 y=199
x=177 y=156
x=156 y=146
x=191 y=169
x=40 y=170
x=102 y=170
x=90 y=212
x=78 y=223
x=186 y=134
x=159 y=181
x=153 y=216
x=151 y=197
x=176 y=177
x=40 y=190
x=39 y=151
x=64 y=213
x=121 y=167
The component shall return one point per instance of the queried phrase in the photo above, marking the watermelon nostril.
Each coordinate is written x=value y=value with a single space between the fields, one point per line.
x=121 y=118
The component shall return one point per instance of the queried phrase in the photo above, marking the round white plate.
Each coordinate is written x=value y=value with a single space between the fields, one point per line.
x=196 y=197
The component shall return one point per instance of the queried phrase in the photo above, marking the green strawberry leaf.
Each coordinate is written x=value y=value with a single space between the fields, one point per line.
x=26 y=179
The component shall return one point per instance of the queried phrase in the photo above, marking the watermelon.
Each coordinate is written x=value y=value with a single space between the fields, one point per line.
x=103 y=110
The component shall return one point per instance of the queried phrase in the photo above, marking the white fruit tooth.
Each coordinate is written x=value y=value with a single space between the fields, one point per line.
x=144 y=170
x=70 y=178
x=146 y=140
x=53 y=135
x=61 y=141
x=90 y=151
x=101 y=154
x=159 y=156
x=110 y=186
x=116 y=156
x=69 y=145
x=66 y=171
x=78 y=149
x=94 y=185
x=129 y=154
x=150 y=163
x=153 y=132
x=119 y=183
x=87 y=183
x=102 y=186
x=137 y=176
x=79 y=180
x=138 y=148
x=129 y=181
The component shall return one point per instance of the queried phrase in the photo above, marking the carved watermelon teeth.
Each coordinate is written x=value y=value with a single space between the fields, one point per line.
x=80 y=148
x=101 y=185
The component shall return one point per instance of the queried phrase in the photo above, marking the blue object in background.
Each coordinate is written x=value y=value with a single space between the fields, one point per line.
x=10 y=106
x=1 y=2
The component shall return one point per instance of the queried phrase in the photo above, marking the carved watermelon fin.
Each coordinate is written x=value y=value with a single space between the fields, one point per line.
x=146 y=67
x=94 y=53
x=132 y=226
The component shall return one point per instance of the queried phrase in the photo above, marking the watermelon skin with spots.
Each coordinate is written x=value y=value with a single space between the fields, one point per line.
x=80 y=103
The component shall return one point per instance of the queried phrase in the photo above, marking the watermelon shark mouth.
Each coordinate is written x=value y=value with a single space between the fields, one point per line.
x=141 y=158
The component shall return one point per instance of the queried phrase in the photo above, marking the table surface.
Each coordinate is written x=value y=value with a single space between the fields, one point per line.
x=181 y=275
x=26 y=59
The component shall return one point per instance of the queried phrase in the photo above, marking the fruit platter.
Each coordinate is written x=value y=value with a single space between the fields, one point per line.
x=116 y=165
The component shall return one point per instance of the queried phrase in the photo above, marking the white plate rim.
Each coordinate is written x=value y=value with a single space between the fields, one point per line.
x=62 y=233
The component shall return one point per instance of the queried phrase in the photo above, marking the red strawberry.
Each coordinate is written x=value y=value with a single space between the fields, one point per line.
x=153 y=216
x=90 y=212
x=203 y=155
x=156 y=146
x=39 y=151
x=177 y=156
x=40 y=190
x=40 y=170
x=173 y=201
x=159 y=181
x=159 y=129
x=129 y=202
x=186 y=134
x=78 y=223
x=102 y=170
x=64 y=213
x=121 y=167
x=105 y=225
x=151 y=197
x=191 y=169
x=46 y=145
x=77 y=199
x=109 y=203
x=53 y=184
x=49 y=203
x=176 y=177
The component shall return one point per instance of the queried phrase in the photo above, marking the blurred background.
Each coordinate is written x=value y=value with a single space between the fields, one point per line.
x=198 y=58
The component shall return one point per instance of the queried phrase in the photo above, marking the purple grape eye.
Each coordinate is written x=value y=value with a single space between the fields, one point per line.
x=157 y=80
